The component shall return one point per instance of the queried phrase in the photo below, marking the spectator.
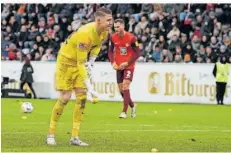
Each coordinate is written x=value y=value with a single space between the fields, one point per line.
x=41 y=51
x=14 y=24
x=162 y=43
x=23 y=36
x=187 y=58
x=210 y=54
x=178 y=51
x=204 y=41
x=177 y=59
x=42 y=25
x=5 y=53
x=12 y=52
x=184 y=41
x=173 y=43
x=46 y=42
x=141 y=25
x=157 y=51
x=76 y=23
x=48 y=56
x=31 y=37
x=202 y=53
x=64 y=23
x=146 y=8
x=174 y=32
x=214 y=44
x=163 y=25
x=130 y=27
x=19 y=56
x=166 y=56
x=8 y=35
x=58 y=34
x=227 y=43
x=39 y=40
x=195 y=43
x=5 y=11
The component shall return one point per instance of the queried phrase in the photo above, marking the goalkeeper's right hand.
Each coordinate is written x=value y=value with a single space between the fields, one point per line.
x=93 y=96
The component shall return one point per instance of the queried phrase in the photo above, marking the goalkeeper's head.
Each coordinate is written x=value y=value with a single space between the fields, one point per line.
x=103 y=19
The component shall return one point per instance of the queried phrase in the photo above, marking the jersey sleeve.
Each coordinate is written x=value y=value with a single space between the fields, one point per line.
x=94 y=51
x=93 y=54
x=136 y=50
x=83 y=44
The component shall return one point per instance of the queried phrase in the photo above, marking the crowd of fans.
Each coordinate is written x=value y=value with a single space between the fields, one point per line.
x=189 y=33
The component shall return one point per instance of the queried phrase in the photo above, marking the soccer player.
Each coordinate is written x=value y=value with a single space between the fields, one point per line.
x=123 y=52
x=71 y=73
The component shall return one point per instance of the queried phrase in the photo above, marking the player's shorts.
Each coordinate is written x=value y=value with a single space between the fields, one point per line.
x=67 y=77
x=126 y=74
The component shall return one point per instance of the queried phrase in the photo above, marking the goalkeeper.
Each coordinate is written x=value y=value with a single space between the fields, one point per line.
x=71 y=71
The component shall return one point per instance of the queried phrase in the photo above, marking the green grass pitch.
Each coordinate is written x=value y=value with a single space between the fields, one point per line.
x=167 y=127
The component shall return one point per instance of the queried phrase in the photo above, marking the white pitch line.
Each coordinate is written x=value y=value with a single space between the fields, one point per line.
x=129 y=125
x=103 y=131
x=183 y=126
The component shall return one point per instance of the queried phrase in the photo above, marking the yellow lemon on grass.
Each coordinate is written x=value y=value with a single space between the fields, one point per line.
x=154 y=150
x=24 y=117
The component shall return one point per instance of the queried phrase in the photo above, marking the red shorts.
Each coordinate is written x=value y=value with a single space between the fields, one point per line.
x=126 y=74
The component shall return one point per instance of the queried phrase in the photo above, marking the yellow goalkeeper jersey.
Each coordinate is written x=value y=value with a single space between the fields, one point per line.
x=80 y=46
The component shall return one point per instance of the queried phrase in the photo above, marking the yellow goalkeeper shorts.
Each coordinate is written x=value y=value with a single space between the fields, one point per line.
x=67 y=77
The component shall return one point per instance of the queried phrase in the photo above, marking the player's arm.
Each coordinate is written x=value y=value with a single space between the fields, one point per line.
x=95 y=51
x=135 y=55
x=91 y=60
x=93 y=55
x=136 y=51
x=83 y=45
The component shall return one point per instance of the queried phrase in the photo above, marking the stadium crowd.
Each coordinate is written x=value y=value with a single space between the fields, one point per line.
x=189 y=33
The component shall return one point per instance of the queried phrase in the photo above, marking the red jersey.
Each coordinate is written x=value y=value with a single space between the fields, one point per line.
x=125 y=49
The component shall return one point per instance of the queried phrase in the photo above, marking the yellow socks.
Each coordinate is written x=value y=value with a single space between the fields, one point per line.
x=56 y=114
x=81 y=99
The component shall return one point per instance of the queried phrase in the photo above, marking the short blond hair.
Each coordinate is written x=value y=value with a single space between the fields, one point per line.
x=102 y=12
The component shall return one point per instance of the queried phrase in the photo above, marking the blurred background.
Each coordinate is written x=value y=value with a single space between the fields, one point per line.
x=189 y=33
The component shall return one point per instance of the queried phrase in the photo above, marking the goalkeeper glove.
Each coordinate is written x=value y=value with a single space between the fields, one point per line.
x=90 y=88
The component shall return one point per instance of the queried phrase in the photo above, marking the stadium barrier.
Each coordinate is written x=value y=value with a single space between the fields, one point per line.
x=175 y=83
